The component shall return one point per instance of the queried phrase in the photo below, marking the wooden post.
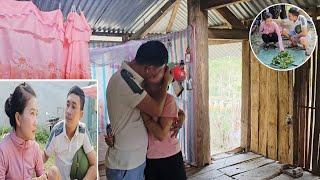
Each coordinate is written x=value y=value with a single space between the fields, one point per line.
x=255 y=102
x=199 y=20
x=316 y=139
x=245 y=106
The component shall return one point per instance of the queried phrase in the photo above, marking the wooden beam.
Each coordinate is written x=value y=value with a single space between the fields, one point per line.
x=228 y=34
x=209 y=4
x=231 y=18
x=222 y=41
x=98 y=33
x=223 y=26
x=106 y=38
x=199 y=21
x=255 y=102
x=245 y=100
x=173 y=16
x=154 y=20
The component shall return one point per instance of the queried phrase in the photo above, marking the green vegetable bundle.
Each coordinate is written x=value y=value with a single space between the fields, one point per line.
x=283 y=59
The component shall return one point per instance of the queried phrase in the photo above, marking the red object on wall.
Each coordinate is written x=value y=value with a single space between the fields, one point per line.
x=178 y=73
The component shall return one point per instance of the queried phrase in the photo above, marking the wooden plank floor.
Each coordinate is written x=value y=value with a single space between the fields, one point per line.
x=246 y=166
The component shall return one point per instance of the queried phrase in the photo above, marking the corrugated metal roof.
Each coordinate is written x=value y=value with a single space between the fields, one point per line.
x=161 y=26
x=249 y=9
x=124 y=16
x=215 y=19
x=112 y=15
x=181 y=20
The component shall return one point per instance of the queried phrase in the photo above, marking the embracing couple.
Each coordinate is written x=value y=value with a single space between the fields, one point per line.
x=20 y=154
x=145 y=119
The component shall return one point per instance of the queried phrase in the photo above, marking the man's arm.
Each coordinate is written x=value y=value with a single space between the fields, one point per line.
x=261 y=27
x=49 y=148
x=159 y=129
x=304 y=31
x=92 y=171
x=304 y=26
x=45 y=157
x=176 y=126
x=154 y=106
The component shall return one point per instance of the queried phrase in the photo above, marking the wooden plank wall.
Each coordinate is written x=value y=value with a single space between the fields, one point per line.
x=270 y=103
x=316 y=139
x=300 y=126
x=306 y=127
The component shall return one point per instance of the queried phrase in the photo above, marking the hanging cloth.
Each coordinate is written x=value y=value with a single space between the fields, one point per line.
x=76 y=46
x=31 y=42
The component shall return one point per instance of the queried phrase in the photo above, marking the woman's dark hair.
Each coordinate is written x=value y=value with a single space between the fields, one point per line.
x=294 y=11
x=18 y=101
x=152 y=53
x=266 y=15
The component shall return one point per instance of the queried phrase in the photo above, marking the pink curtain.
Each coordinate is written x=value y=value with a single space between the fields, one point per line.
x=77 y=37
x=90 y=91
x=32 y=43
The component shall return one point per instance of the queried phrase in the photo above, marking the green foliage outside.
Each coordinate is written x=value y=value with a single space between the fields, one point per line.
x=225 y=77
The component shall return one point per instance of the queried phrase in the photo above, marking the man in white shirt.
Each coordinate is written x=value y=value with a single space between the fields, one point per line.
x=126 y=98
x=69 y=135
x=299 y=31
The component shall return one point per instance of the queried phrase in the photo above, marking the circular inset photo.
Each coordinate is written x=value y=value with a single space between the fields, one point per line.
x=283 y=37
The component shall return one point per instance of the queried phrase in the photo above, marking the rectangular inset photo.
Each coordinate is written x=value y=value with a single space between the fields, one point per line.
x=48 y=129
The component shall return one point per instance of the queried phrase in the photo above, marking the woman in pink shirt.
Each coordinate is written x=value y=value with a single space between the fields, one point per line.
x=270 y=31
x=164 y=157
x=20 y=155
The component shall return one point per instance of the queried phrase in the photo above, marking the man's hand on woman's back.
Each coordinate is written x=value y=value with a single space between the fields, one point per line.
x=178 y=124
x=109 y=139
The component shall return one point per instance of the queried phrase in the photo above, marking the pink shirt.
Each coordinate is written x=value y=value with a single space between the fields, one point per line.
x=274 y=27
x=169 y=146
x=19 y=158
